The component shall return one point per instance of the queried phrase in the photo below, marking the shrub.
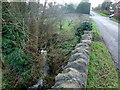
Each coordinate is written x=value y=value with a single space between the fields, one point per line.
x=84 y=8
x=87 y=26
x=80 y=30
x=16 y=60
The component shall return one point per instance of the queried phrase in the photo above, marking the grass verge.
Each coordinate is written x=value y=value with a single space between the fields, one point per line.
x=101 y=71
x=116 y=20
x=113 y=19
x=103 y=14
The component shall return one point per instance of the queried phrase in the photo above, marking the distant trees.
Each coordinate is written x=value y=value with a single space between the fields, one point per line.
x=83 y=7
x=117 y=10
x=106 y=5
x=98 y=7
x=70 y=8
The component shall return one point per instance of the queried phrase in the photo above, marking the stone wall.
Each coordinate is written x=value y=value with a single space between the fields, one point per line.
x=74 y=74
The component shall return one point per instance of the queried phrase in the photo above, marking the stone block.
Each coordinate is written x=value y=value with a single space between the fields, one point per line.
x=77 y=56
x=88 y=32
x=81 y=67
x=79 y=45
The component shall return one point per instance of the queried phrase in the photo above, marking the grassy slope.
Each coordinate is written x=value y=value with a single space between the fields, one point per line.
x=113 y=19
x=101 y=70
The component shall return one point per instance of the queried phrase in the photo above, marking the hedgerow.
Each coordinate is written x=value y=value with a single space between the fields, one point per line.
x=16 y=61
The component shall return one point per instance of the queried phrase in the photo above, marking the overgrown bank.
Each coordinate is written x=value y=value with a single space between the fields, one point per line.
x=101 y=71
x=25 y=36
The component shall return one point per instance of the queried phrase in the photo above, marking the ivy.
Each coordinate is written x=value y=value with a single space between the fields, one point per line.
x=14 y=32
x=80 y=30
